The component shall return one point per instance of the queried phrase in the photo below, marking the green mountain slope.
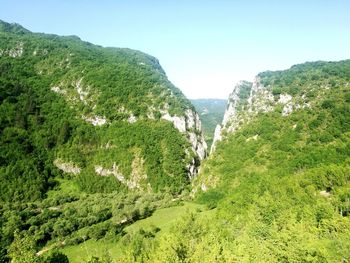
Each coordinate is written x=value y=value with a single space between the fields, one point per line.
x=90 y=112
x=92 y=139
x=280 y=175
x=211 y=112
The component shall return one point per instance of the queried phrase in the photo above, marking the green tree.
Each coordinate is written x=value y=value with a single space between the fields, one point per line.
x=22 y=249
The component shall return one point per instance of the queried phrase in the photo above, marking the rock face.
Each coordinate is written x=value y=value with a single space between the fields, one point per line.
x=217 y=137
x=137 y=178
x=14 y=52
x=241 y=109
x=190 y=125
x=231 y=118
x=67 y=167
x=211 y=112
x=232 y=104
x=195 y=134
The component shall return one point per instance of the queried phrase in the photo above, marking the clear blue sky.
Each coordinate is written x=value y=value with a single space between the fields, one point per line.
x=204 y=46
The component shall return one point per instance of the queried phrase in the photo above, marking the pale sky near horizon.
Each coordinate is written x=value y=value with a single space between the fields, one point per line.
x=205 y=47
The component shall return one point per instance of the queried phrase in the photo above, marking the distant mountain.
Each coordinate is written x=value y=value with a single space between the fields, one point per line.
x=211 y=112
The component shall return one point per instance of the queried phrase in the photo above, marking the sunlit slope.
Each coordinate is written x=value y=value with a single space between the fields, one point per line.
x=280 y=176
x=108 y=117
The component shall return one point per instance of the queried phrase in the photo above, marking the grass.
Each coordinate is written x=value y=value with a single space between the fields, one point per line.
x=163 y=218
x=65 y=187
x=84 y=251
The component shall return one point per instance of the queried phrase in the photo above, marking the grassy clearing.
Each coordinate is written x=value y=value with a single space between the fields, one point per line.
x=163 y=218
x=83 y=252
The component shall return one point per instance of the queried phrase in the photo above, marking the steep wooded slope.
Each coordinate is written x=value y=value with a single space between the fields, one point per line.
x=280 y=173
x=108 y=117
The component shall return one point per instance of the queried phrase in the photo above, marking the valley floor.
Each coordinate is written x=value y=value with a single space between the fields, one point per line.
x=162 y=219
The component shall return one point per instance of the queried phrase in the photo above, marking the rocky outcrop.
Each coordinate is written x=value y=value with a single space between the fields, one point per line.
x=195 y=134
x=114 y=170
x=132 y=119
x=67 y=167
x=289 y=105
x=137 y=177
x=179 y=122
x=231 y=118
x=80 y=94
x=232 y=103
x=95 y=120
x=14 y=52
x=217 y=137
x=138 y=173
x=190 y=124
x=261 y=99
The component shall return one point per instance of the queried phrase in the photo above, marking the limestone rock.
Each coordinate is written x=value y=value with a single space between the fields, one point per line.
x=67 y=167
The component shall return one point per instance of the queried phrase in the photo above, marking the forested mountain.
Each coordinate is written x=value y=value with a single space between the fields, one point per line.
x=90 y=112
x=211 y=112
x=74 y=115
x=280 y=173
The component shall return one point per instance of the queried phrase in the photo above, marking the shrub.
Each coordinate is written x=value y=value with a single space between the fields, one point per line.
x=56 y=257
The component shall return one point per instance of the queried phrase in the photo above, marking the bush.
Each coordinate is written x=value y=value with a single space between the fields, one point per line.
x=210 y=198
x=56 y=257
x=276 y=91
x=327 y=104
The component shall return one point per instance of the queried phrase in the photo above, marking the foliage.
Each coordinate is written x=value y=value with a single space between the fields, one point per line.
x=22 y=249
x=51 y=90
x=58 y=222
x=50 y=86
x=56 y=257
x=284 y=195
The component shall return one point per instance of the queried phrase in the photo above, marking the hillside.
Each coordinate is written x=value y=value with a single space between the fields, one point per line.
x=279 y=177
x=280 y=174
x=211 y=112
x=88 y=110
x=82 y=127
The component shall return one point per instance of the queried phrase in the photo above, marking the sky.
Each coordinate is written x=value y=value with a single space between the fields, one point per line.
x=204 y=46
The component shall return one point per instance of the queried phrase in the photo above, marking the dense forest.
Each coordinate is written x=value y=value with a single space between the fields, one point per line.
x=94 y=168
x=76 y=105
